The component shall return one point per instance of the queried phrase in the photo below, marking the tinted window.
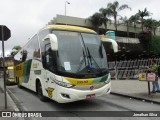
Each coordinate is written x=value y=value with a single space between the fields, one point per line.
x=31 y=50
x=41 y=36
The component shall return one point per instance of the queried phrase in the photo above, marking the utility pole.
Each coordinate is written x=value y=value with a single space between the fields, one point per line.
x=66 y=2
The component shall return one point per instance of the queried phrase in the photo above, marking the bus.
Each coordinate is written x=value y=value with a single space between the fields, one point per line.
x=10 y=75
x=63 y=63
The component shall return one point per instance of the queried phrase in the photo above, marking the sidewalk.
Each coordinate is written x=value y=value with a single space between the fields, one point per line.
x=134 y=89
x=10 y=106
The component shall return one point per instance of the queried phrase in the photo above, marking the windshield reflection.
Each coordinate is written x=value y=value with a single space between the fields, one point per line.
x=80 y=53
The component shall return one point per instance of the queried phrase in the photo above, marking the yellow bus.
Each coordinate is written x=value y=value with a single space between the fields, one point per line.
x=64 y=63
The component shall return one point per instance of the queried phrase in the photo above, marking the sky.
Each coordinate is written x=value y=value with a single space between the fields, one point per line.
x=25 y=17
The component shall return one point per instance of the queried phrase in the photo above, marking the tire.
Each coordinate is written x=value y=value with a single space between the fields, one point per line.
x=40 y=92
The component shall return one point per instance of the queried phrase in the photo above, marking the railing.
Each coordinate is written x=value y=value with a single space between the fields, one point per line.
x=129 y=69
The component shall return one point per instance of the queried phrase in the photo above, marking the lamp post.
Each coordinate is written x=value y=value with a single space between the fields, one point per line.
x=66 y=2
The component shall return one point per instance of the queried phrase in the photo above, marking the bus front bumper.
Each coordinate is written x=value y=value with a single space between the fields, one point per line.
x=65 y=95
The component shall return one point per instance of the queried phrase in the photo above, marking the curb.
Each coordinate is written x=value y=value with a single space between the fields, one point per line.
x=138 y=98
x=12 y=103
x=18 y=105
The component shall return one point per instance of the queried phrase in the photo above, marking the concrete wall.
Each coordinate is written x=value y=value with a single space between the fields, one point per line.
x=61 y=19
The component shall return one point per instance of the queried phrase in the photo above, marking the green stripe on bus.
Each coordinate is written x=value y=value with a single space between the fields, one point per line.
x=101 y=79
x=26 y=71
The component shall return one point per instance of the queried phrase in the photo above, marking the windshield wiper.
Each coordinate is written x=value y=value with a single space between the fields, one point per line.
x=81 y=62
x=90 y=59
x=100 y=50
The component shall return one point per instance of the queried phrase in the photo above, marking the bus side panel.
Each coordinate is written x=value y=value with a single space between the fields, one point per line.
x=37 y=73
x=18 y=72
x=22 y=72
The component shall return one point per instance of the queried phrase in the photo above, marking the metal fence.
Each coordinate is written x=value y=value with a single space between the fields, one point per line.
x=129 y=69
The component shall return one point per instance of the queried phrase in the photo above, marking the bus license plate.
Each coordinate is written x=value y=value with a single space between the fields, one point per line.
x=90 y=96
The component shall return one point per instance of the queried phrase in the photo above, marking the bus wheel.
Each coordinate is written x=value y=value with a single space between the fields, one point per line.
x=40 y=93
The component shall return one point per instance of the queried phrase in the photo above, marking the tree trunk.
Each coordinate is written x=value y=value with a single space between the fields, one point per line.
x=154 y=31
x=142 y=23
x=115 y=23
x=105 y=26
x=135 y=30
x=127 y=29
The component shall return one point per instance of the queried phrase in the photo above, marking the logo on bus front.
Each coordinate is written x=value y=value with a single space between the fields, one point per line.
x=91 y=87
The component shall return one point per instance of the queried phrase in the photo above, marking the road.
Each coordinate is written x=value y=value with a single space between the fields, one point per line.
x=29 y=101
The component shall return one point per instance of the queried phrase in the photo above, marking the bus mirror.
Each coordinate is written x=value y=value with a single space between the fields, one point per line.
x=114 y=43
x=53 y=41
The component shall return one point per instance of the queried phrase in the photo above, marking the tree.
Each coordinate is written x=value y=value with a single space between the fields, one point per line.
x=134 y=19
x=155 y=24
x=104 y=16
x=151 y=24
x=126 y=21
x=15 y=49
x=148 y=23
x=143 y=14
x=155 y=44
x=113 y=8
x=145 y=39
x=96 y=20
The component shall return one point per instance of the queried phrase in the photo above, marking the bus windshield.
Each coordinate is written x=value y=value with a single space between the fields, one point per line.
x=80 y=53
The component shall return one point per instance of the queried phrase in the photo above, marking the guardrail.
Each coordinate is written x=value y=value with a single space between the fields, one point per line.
x=129 y=69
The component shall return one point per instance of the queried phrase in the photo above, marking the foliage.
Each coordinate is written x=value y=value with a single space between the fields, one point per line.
x=143 y=14
x=151 y=24
x=103 y=17
x=96 y=20
x=155 y=44
x=114 y=8
x=105 y=13
x=126 y=21
x=145 y=39
x=150 y=42
x=15 y=49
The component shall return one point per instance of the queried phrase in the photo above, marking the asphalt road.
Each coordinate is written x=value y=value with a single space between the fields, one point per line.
x=29 y=101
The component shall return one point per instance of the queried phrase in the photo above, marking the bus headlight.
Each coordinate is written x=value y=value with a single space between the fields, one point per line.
x=63 y=84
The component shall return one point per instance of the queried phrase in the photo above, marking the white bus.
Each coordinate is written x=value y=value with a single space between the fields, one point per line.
x=63 y=63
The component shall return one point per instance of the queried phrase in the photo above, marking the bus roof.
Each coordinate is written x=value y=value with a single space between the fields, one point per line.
x=70 y=28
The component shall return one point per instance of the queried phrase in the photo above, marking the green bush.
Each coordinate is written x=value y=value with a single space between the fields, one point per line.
x=145 y=39
x=155 y=47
